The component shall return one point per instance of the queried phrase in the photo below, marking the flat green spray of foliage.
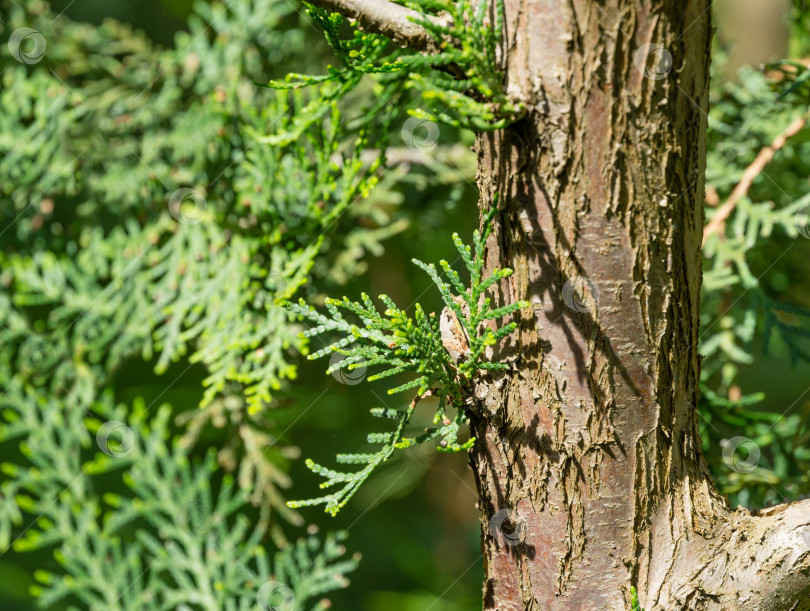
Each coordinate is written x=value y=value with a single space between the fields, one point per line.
x=189 y=532
x=459 y=86
x=142 y=219
x=399 y=343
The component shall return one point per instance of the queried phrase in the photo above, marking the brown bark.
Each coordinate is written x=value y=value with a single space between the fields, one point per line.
x=588 y=459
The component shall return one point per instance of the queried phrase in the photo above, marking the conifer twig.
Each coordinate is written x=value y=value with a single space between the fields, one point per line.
x=751 y=172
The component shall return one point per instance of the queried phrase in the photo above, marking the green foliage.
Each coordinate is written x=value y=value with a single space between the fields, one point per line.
x=150 y=213
x=634 y=600
x=461 y=85
x=799 y=41
x=398 y=343
x=159 y=206
x=143 y=220
x=178 y=524
x=751 y=304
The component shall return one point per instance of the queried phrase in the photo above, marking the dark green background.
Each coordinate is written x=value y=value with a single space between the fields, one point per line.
x=415 y=522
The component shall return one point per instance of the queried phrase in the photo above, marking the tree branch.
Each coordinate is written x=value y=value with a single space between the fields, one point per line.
x=751 y=172
x=389 y=19
x=746 y=562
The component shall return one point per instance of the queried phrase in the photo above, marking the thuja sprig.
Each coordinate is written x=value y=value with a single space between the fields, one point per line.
x=461 y=84
x=636 y=606
x=396 y=343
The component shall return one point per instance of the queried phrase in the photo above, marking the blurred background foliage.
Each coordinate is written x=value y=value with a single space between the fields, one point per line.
x=95 y=269
x=755 y=305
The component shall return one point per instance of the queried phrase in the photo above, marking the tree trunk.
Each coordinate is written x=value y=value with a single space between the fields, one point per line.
x=588 y=460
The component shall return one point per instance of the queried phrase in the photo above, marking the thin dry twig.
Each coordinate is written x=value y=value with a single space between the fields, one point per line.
x=751 y=172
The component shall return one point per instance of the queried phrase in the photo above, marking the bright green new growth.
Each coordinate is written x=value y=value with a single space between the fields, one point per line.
x=399 y=343
x=461 y=85
x=634 y=600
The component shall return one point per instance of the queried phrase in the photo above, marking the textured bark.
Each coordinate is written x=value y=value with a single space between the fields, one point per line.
x=588 y=459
